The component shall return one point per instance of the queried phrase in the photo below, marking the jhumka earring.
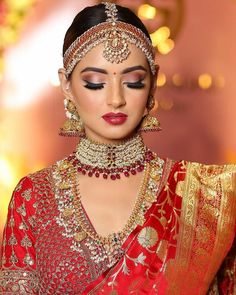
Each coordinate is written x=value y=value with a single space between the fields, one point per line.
x=73 y=126
x=150 y=123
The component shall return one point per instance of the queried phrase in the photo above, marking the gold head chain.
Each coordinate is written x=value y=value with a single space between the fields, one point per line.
x=116 y=36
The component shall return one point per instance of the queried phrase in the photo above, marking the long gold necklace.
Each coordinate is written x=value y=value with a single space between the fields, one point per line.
x=113 y=242
x=73 y=218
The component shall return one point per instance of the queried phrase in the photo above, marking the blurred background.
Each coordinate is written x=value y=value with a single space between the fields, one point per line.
x=195 y=99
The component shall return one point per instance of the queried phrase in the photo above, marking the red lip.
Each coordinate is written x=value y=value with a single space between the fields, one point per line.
x=115 y=118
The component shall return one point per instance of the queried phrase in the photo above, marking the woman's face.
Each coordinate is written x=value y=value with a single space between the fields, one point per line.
x=110 y=98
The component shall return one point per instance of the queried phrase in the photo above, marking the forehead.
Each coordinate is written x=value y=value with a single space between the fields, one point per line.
x=95 y=58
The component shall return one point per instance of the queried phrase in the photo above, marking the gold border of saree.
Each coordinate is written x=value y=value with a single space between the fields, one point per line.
x=207 y=225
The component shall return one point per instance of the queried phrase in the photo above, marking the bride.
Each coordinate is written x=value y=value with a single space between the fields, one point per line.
x=113 y=217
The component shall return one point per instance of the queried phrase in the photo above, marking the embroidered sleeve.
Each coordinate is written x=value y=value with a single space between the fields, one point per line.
x=18 y=265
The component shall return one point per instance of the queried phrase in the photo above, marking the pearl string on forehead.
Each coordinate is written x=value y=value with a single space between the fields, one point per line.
x=116 y=37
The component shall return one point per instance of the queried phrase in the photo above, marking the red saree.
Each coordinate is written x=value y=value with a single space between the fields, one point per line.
x=177 y=246
x=187 y=233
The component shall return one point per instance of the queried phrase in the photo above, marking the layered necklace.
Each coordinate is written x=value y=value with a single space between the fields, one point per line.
x=112 y=243
x=111 y=160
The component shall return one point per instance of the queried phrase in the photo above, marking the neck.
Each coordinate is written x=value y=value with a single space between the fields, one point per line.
x=103 y=140
x=113 y=142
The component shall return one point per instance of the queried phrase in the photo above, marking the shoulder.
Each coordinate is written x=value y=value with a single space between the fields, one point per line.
x=43 y=182
x=33 y=186
x=32 y=180
x=35 y=192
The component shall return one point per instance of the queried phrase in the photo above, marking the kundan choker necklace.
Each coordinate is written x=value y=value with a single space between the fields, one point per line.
x=111 y=160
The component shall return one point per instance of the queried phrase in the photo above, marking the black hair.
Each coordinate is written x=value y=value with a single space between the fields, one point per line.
x=94 y=15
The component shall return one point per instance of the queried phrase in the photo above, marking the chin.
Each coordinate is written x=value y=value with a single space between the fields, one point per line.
x=111 y=134
x=119 y=135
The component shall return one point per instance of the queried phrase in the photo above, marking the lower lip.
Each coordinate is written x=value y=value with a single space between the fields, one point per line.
x=119 y=120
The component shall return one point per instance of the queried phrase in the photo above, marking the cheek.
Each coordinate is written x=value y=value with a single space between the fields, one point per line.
x=138 y=102
x=87 y=101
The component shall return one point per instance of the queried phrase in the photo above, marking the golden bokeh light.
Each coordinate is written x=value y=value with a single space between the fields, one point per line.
x=161 y=79
x=19 y=4
x=160 y=35
x=6 y=173
x=166 y=46
x=205 y=81
x=147 y=11
x=7 y=183
x=177 y=80
x=7 y=36
x=13 y=17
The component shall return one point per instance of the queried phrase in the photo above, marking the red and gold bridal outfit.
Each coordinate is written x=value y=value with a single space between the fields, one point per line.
x=182 y=235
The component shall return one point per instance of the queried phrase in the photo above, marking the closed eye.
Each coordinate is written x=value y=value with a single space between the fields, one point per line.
x=135 y=85
x=93 y=86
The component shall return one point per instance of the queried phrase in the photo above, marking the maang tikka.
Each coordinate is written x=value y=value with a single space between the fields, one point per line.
x=116 y=37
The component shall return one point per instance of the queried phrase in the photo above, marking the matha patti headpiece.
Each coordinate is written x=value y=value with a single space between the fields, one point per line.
x=116 y=36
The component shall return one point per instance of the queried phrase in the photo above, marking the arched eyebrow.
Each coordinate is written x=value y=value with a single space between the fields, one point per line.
x=92 y=69
x=135 y=68
x=125 y=71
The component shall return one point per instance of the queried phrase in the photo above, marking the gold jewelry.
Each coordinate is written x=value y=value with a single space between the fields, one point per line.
x=73 y=126
x=111 y=160
x=71 y=110
x=75 y=222
x=149 y=123
x=150 y=103
x=116 y=36
x=113 y=242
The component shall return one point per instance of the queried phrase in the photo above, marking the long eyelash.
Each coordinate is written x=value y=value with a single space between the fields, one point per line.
x=136 y=85
x=93 y=86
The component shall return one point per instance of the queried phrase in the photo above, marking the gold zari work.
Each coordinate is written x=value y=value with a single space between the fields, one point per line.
x=186 y=222
x=18 y=281
x=148 y=237
x=207 y=222
x=72 y=212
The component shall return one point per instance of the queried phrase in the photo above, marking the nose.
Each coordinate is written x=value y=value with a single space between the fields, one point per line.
x=116 y=97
